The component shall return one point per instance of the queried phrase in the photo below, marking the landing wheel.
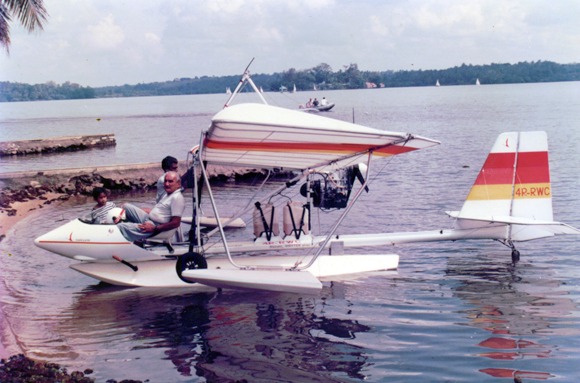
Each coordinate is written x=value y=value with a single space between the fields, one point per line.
x=515 y=255
x=190 y=261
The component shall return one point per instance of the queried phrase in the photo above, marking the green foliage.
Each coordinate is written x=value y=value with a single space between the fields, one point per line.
x=50 y=91
x=320 y=77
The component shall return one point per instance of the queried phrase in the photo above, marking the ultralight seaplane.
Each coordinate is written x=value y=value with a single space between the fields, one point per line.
x=510 y=201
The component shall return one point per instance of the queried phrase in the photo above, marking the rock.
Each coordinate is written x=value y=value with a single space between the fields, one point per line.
x=20 y=369
x=25 y=186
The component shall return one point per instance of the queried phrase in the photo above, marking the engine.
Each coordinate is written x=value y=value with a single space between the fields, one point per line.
x=333 y=190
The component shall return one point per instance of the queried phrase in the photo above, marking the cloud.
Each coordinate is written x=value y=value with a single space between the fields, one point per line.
x=229 y=6
x=378 y=27
x=111 y=42
x=457 y=16
x=152 y=38
x=105 y=35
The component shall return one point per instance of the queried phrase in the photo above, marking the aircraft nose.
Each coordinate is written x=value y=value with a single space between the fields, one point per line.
x=43 y=240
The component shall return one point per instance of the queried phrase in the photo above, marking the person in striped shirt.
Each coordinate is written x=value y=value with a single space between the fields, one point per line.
x=103 y=206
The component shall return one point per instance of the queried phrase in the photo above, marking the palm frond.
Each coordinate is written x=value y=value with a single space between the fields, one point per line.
x=30 y=13
x=4 y=26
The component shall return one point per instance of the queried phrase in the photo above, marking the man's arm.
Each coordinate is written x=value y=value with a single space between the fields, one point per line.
x=149 y=227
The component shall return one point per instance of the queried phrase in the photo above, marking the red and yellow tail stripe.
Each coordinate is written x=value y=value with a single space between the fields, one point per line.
x=496 y=178
x=514 y=180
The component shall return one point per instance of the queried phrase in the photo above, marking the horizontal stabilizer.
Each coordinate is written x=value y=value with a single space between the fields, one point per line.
x=551 y=226
x=302 y=282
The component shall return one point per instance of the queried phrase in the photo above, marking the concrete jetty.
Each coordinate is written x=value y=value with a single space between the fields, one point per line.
x=56 y=144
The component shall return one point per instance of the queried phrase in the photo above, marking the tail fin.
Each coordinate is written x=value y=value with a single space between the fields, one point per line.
x=514 y=180
x=513 y=192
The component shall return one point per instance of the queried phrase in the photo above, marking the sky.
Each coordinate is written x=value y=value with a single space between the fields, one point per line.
x=115 y=42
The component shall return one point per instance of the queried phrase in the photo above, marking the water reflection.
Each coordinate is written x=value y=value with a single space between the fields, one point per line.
x=519 y=306
x=227 y=336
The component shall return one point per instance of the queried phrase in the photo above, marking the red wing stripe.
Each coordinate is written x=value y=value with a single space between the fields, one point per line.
x=290 y=147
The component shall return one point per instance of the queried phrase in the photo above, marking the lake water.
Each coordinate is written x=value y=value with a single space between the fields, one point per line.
x=452 y=312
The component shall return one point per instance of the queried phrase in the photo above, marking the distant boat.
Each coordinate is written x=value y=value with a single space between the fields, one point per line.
x=294 y=89
x=282 y=88
x=228 y=90
x=477 y=82
x=324 y=106
x=314 y=87
x=437 y=83
x=261 y=90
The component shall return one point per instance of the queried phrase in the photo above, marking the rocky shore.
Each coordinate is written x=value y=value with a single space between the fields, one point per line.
x=24 y=192
x=20 y=369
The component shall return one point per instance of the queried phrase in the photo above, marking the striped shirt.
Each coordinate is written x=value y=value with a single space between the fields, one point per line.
x=99 y=215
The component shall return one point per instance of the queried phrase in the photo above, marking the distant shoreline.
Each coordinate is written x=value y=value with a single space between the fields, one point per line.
x=325 y=79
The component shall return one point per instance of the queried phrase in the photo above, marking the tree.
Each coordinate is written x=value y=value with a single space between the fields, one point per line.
x=30 y=13
x=322 y=73
x=351 y=77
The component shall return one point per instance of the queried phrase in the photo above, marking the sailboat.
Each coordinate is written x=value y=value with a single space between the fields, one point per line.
x=437 y=83
x=228 y=90
x=477 y=82
x=294 y=89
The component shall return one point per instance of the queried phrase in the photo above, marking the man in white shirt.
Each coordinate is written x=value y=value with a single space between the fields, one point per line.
x=165 y=215
x=168 y=164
